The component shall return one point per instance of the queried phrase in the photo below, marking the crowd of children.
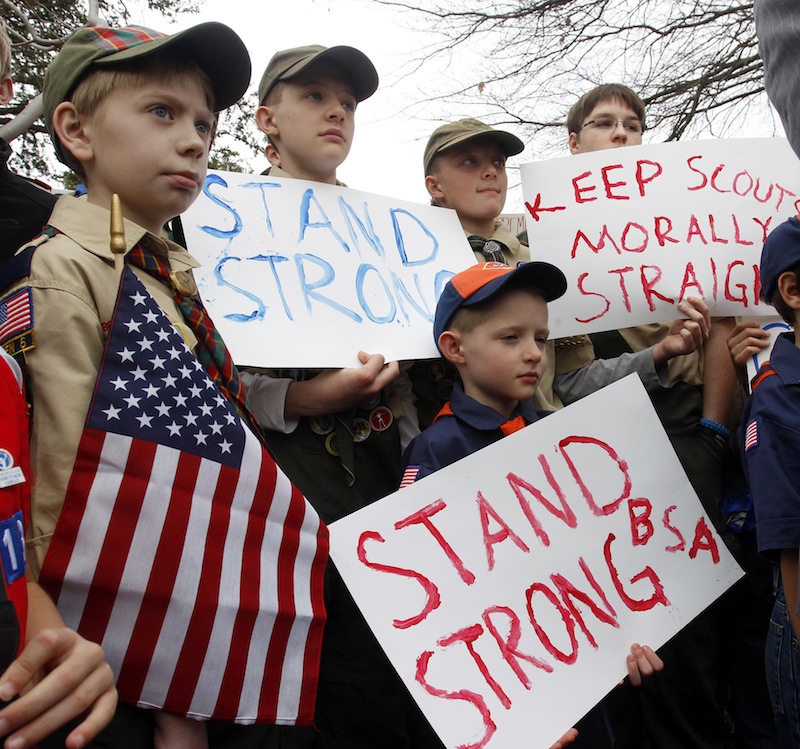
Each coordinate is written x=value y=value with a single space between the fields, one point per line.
x=133 y=113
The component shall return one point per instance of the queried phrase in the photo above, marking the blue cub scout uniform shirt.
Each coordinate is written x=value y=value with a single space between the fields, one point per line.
x=770 y=440
x=468 y=427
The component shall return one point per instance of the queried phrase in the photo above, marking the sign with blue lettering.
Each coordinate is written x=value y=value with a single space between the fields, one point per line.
x=305 y=274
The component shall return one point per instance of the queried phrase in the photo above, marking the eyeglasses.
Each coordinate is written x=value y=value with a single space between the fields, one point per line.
x=634 y=127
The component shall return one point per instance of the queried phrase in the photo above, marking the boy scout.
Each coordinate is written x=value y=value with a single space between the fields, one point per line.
x=336 y=432
x=132 y=111
x=683 y=706
x=465 y=170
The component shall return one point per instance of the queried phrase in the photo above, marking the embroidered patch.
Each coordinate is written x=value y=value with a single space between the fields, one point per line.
x=751 y=435
x=16 y=322
x=12 y=547
x=409 y=476
x=6 y=459
x=360 y=429
x=321 y=424
x=381 y=418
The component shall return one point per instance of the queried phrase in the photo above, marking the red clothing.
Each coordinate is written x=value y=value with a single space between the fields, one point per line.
x=14 y=500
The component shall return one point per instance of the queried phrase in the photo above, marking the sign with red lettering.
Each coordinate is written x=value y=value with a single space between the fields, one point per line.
x=638 y=229
x=508 y=587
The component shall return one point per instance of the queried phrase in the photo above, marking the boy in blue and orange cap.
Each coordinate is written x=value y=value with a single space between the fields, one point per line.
x=491 y=324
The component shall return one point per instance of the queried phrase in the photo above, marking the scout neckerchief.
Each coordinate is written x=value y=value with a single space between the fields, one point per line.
x=509 y=426
x=211 y=350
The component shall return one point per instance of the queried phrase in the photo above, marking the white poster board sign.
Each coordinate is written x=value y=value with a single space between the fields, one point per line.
x=637 y=229
x=774 y=325
x=508 y=587
x=304 y=274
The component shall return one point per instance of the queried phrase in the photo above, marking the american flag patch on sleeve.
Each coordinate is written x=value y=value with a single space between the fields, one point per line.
x=409 y=476
x=751 y=435
x=16 y=321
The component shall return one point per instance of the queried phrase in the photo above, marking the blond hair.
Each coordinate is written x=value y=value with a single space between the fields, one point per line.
x=100 y=81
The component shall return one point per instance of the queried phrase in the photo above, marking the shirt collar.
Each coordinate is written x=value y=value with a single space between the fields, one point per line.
x=276 y=171
x=503 y=235
x=785 y=359
x=482 y=417
x=88 y=225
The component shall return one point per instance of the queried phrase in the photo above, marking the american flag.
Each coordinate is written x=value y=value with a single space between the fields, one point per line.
x=751 y=435
x=16 y=315
x=409 y=476
x=182 y=548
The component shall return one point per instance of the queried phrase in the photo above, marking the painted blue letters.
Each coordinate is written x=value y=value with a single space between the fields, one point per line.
x=215 y=179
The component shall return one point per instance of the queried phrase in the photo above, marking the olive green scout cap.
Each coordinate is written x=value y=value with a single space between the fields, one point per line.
x=214 y=47
x=460 y=131
x=288 y=63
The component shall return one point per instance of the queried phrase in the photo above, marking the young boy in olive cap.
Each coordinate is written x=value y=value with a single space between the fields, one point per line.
x=464 y=164
x=337 y=433
x=173 y=521
x=769 y=442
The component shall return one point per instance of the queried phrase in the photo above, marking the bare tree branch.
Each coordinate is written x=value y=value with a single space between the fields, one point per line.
x=694 y=62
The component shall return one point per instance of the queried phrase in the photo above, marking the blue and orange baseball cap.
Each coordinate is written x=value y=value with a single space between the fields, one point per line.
x=214 y=47
x=781 y=252
x=483 y=281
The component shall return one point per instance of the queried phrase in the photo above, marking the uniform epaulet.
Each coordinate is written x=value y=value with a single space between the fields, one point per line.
x=570 y=341
x=19 y=266
x=444 y=411
x=764 y=371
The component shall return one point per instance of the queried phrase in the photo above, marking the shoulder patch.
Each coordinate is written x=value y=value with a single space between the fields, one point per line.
x=764 y=371
x=16 y=322
x=751 y=435
x=19 y=266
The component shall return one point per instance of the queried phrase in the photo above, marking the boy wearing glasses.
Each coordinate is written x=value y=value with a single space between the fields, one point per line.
x=683 y=707
x=608 y=116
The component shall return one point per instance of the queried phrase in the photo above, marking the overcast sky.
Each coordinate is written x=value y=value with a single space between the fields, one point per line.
x=392 y=126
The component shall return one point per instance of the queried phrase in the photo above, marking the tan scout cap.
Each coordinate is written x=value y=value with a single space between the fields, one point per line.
x=460 y=131
x=288 y=63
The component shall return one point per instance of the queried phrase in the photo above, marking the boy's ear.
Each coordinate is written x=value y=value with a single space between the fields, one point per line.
x=788 y=286
x=574 y=146
x=265 y=119
x=450 y=346
x=71 y=132
x=433 y=187
x=6 y=89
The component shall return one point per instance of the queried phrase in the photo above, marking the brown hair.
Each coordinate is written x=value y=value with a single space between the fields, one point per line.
x=581 y=109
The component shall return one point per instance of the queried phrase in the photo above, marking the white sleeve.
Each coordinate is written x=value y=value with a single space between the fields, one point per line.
x=267 y=396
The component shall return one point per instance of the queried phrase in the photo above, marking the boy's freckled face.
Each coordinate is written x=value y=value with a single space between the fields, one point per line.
x=314 y=122
x=471 y=178
x=150 y=146
x=592 y=138
x=504 y=356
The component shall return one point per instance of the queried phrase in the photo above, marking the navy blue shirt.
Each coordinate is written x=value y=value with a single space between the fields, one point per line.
x=468 y=427
x=770 y=440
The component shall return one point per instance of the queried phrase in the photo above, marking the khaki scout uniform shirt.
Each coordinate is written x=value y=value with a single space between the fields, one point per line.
x=74 y=287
